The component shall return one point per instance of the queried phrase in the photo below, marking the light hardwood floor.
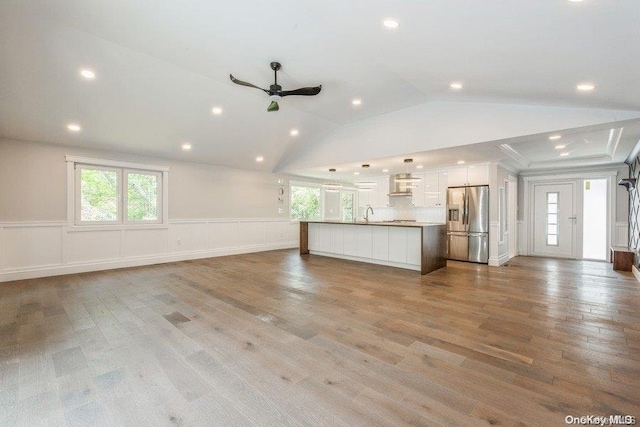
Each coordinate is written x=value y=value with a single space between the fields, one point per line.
x=275 y=339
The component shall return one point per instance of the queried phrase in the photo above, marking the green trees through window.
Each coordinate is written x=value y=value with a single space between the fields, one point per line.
x=98 y=195
x=142 y=197
x=101 y=189
x=305 y=202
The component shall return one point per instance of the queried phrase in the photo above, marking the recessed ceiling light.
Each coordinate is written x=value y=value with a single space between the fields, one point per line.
x=564 y=154
x=259 y=159
x=216 y=111
x=419 y=167
x=294 y=132
x=186 y=146
x=555 y=137
x=73 y=127
x=357 y=102
x=390 y=23
x=456 y=86
x=385 y=170
x=461 y=162
x=575 y=1
x=585 y=87
x=356 y=173
x=87 y=74
x=559 y=147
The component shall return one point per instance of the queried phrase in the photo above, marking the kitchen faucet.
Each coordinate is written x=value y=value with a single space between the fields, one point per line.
x=366 y=214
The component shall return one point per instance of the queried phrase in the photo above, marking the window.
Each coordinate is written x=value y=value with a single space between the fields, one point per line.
x=305 y=201
x=552 y=219
x=115 y=193
x=347 y=204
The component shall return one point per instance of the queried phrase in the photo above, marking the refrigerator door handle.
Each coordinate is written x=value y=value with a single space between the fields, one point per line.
x=466 y=204
x=464 y=208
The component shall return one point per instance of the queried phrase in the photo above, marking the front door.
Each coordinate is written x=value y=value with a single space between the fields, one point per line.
x=554 y=220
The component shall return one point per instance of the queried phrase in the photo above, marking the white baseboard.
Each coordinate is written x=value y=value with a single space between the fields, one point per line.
x=498 y=261
x=60 y=270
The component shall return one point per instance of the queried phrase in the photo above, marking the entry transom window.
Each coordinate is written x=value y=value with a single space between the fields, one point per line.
x=552 y=219
x=115 y=193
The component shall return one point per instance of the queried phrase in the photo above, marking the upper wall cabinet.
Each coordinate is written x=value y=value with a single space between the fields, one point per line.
x=435 y=189
x=468 y=175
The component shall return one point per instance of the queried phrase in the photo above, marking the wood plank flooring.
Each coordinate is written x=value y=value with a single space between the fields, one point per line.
x=279 y=339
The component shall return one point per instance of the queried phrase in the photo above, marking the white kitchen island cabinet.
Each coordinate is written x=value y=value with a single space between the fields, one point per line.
x=411 y=245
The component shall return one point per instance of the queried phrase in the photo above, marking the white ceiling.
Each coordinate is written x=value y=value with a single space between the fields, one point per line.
x=588 y=146
x=161 y=66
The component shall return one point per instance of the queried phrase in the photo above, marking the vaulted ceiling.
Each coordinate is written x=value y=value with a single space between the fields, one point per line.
x=162 y=66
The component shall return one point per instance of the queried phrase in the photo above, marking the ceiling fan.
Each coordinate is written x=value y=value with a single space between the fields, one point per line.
x=275 y=90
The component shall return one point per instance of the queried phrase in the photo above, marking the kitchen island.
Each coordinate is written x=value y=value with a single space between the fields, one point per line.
x=416 y=246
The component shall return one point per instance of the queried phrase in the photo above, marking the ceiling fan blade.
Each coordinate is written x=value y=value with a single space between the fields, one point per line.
x=273 y=106
x=305 y=91
x=241 y=83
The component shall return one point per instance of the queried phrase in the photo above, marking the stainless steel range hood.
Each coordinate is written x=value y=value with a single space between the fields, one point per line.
x=401 y=185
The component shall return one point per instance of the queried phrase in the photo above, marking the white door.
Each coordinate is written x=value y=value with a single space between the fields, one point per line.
x=554 y=220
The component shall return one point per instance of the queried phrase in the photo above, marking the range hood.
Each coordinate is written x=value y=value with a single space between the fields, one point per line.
x=401 y=185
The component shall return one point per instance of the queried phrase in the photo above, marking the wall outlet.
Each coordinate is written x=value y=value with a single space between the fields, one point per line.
x=179 y=242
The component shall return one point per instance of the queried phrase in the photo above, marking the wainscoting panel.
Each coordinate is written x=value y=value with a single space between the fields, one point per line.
x=82 y=247
x=29 y=245
x=31 y=250
x=621 y=237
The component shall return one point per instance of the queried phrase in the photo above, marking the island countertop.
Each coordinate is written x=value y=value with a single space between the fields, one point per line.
x=413 y=224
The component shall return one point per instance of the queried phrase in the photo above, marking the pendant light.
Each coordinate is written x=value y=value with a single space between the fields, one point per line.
x=331 y=187
x=406 y=177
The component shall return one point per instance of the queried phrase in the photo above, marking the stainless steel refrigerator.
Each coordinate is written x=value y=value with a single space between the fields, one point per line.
x=468 y=223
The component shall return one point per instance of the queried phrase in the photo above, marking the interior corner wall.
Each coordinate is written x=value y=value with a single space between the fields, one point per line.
x=213 y=210
x=498 y=252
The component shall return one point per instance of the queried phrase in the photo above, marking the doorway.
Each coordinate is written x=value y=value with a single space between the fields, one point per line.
x=594 y=220
x=554 y=220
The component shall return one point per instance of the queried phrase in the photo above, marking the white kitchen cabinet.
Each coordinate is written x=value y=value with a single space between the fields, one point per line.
x=314 y=233
x=380 y=243
x=478 y=175
x=418 y=192
x=382 y=191
x=350 y=240
x=365 y=240
x=337 y=238
x=435 y=189
x=324 y=237
x=468 y=175
x=398 y=244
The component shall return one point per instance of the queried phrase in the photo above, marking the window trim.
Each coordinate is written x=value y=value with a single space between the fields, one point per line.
x=123 y=167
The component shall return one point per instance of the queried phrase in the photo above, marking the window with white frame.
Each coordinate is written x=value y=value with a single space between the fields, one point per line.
x=306 y=201
x=552 y=219
x=105 y=192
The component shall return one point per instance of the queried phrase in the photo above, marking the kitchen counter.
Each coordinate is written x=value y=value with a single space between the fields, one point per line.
x=420 y=246
x=413 y=224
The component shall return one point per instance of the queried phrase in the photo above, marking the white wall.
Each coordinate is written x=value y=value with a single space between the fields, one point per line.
x=212 y=211
x=498 y=251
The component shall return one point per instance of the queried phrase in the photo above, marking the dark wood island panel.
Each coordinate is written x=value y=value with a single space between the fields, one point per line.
x=434 y=248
